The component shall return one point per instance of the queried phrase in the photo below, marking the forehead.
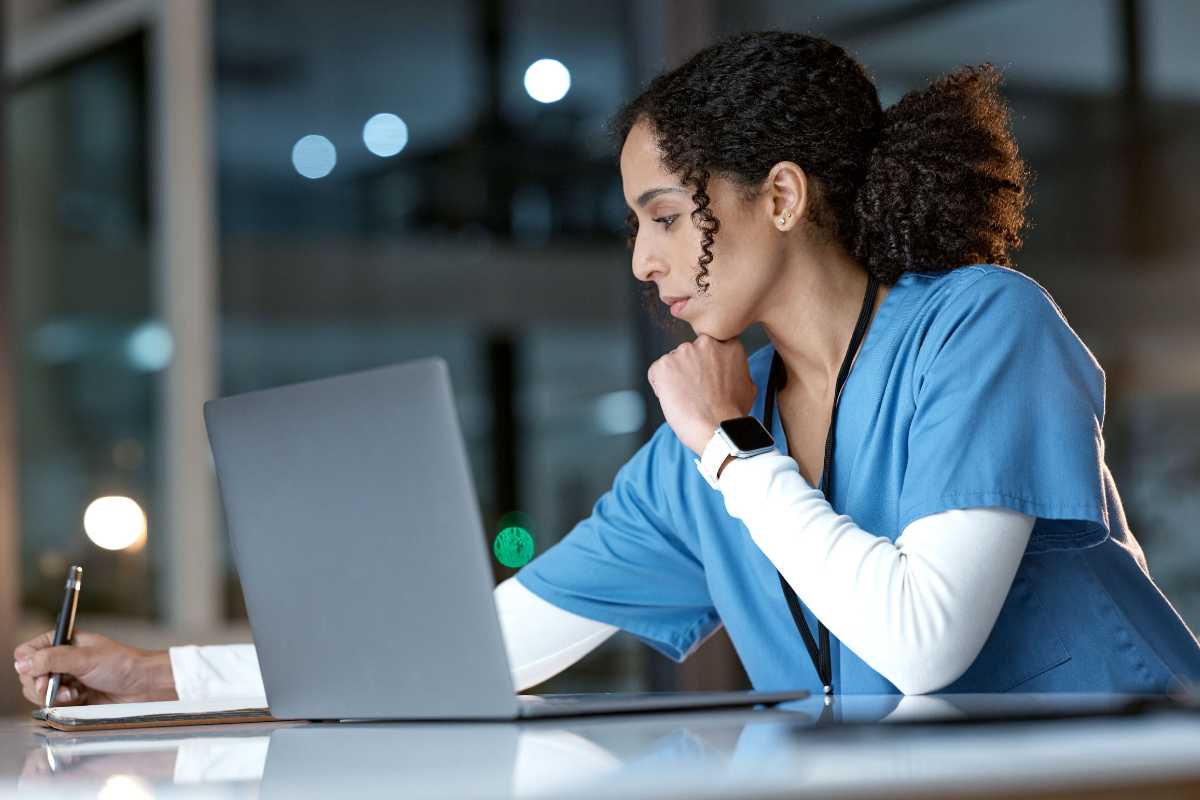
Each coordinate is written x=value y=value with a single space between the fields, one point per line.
x=641 y=161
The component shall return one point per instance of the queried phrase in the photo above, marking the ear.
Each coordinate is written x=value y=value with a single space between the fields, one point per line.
x=786 y=194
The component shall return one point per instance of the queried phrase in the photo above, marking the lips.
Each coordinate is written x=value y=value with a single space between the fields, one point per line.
x=677 y=304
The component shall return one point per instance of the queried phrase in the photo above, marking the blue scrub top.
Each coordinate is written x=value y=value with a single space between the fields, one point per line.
x=970 y=389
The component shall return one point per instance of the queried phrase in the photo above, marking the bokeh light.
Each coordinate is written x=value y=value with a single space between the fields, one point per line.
x=514 y=544
x=547 y=80
x=513 y=547
x=115 y=523
x=314 y=156
x=150 y=347
x=620 y=412
x=385 y=134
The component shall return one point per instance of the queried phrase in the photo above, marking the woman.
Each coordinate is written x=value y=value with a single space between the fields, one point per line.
x=965 y=534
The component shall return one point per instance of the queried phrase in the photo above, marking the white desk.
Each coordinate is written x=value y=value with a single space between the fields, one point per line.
x=768 y=753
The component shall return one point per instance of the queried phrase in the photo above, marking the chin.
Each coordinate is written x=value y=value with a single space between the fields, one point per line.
x=718 y=332
x=716 y=325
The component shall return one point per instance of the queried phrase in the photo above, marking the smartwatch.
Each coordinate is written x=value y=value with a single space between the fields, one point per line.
x=740 y=437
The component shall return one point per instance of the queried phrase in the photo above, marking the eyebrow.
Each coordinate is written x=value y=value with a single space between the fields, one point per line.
x=650 y=194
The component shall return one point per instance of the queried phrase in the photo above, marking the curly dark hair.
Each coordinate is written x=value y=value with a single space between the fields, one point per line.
x=932 y=183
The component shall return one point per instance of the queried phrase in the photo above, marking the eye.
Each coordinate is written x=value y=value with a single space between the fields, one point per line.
x=667 y=220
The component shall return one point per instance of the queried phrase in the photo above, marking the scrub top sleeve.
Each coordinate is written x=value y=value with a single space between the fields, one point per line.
x=1009 y=411
x=627 y=565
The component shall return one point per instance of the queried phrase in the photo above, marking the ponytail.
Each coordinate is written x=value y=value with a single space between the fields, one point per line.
x=944 y=185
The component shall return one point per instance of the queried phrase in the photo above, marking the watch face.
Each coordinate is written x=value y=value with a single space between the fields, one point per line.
x=747 y=433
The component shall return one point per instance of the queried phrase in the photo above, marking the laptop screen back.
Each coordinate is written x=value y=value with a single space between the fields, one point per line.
x=356 y=532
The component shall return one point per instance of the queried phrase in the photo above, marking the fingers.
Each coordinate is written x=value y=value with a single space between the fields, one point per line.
x=30 y=694
x=29 y=684
x=85 y=639
x=70 y=692
x=67 y=659
x=34 y=689
x=27 y=649
x=37 y=658
x=64 y=658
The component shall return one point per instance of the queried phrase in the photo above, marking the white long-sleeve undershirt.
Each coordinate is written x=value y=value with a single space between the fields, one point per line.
x=541 y=640
x=917 y=611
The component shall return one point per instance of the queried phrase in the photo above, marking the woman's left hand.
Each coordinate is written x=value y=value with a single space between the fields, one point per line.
x=701 y=383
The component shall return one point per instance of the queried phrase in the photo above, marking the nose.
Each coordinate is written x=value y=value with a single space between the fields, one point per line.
x=646 y=265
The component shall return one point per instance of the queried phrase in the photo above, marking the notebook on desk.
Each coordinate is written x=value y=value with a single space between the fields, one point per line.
x=152 y=715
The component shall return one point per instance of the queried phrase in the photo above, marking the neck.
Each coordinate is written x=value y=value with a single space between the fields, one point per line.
x=811 y=319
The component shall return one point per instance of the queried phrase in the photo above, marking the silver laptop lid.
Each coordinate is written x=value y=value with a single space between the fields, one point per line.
x=356 y=532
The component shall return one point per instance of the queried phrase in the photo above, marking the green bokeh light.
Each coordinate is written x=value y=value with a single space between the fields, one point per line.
x=513 y=546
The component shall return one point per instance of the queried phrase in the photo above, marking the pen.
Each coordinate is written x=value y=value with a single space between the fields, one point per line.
x=64 y=631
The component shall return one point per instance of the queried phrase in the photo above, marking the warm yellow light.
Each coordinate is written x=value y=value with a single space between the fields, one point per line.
x=115 y=523
x=125 y=787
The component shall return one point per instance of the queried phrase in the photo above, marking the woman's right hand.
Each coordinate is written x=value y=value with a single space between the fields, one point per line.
x=95 y=669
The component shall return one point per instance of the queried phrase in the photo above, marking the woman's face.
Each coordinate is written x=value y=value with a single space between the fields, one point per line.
x=747 y=250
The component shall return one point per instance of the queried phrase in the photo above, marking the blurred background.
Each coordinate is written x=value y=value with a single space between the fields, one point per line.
x=202 y=197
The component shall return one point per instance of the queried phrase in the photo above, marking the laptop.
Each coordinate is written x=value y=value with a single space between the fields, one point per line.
x=357 y=536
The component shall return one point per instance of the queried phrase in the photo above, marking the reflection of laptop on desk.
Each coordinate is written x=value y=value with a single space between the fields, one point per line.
x=356 y=532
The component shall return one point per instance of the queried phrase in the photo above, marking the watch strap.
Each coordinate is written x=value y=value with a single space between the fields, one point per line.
x=713 y=457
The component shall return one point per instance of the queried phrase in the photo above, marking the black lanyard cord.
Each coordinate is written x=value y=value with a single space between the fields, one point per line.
x=776 y=380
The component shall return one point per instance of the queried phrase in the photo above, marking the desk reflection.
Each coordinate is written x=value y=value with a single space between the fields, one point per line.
x=520 y=759
x=132 y=764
